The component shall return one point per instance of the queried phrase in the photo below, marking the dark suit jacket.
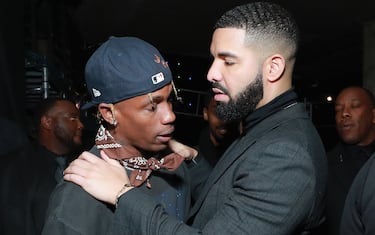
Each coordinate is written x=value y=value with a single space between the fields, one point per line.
x=359 y=210
x=344 y=162
x=27 y=178
x=270 y=181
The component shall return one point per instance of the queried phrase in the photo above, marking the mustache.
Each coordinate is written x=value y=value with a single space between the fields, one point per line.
x=220 y=87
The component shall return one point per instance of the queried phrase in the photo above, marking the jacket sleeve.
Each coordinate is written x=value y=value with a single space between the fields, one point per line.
x=72 y=211
x=144 y=216
x=56 y=227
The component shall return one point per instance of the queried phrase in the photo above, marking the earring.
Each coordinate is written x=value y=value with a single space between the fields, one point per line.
x=99 y=117
x=114 y=122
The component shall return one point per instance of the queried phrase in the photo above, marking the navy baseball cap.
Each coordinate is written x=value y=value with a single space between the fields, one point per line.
x=122 y=68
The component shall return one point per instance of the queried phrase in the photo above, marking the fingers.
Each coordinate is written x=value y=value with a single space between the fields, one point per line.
x=172 y=142
x=83 y=165
x=78 y=167
x=174 y=145
x=185 y=151
x=77 y=179
x=87 y=156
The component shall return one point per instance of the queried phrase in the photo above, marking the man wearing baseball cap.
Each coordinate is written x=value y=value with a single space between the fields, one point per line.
x=130 y=83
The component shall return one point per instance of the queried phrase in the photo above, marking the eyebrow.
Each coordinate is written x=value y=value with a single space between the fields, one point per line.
x=73 y=113
x=154 y=99
x=227 y=54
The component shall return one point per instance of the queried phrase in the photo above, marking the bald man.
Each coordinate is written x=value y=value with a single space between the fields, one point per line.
x=355 y=124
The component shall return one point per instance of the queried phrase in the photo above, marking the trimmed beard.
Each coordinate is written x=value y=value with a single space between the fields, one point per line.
x=66 y=138
x=244 y=104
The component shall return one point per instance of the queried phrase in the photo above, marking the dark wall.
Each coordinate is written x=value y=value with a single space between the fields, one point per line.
x=12 y=93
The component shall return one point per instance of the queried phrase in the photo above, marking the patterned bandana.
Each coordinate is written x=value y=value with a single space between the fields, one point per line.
x=140 y=166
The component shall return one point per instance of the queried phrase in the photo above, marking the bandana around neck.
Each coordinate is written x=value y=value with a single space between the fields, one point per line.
x=132 y=159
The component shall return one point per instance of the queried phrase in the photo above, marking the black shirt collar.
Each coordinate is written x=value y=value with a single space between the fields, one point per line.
x=280 y=102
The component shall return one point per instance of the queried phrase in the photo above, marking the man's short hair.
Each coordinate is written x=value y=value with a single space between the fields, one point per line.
x=266 y=24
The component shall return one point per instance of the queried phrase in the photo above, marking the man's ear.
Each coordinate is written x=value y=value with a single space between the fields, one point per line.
x=205 y=115
x=373 y=116
x=106 y=112
x=275 y=67
x=45 y=122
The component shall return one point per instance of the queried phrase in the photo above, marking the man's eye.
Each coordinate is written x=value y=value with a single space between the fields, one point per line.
x=229 y=60
x=354 y=106
x=151 y=107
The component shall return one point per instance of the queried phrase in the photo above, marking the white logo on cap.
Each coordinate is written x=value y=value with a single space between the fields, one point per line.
x=96 y=92
x=157 y=78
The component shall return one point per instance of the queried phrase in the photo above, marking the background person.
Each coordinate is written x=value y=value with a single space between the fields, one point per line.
x=358 y=213
x=355 y=124
x=216 y=137
x=29 y=174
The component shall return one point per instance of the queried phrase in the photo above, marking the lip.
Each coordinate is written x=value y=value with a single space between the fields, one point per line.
x=222 y=131
x=220 y=95
x=217 y=91
x=164 y=138
x=221 y=98
x=166 y=135
x=168 y=131
x=346 y=126
x=79 y=134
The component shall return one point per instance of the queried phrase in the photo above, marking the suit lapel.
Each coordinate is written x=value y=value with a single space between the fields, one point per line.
x=237 y=148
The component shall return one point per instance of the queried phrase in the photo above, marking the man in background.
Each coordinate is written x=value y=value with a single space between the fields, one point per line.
x=28 y=175
x=355 y=124
x=215 y=138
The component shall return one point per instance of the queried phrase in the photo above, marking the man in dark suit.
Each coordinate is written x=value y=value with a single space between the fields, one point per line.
x=272 y=179
x=28 y=175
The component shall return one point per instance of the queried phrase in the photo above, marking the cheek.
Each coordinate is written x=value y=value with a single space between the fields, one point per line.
x=138 y=132
x=215 y=120
x=238 y=83
x=337 y=117
x=365 y=122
